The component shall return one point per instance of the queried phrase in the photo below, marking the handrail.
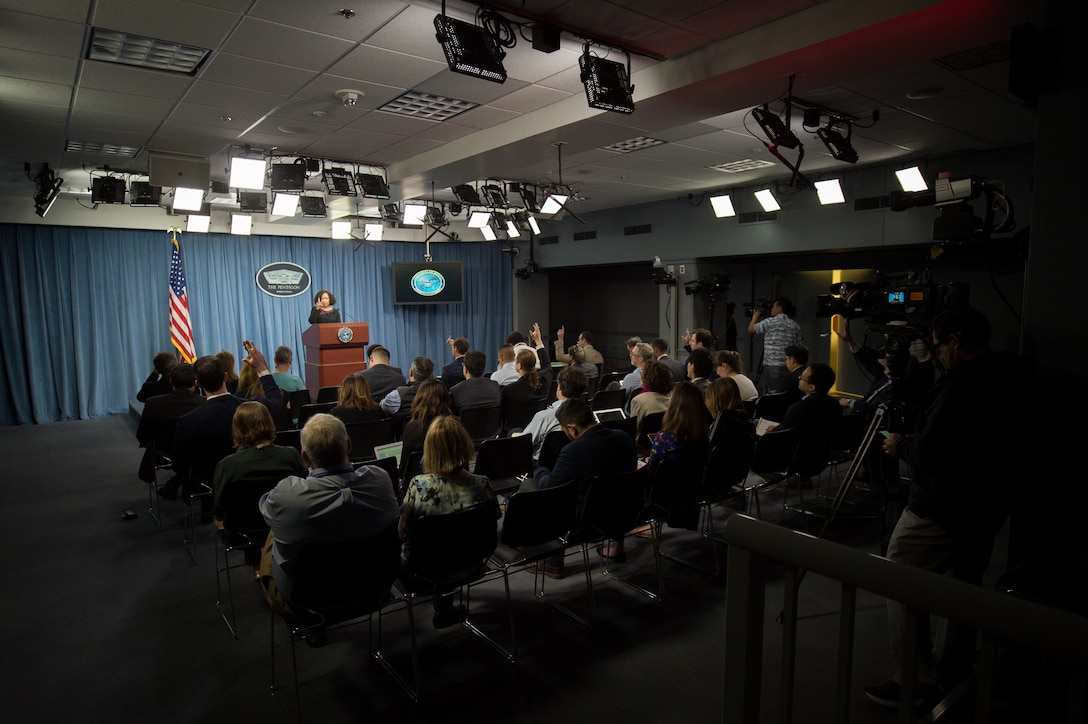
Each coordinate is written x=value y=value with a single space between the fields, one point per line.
x=1053 y=633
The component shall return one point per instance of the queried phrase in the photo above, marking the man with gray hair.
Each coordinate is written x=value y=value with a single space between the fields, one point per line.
x=334 y=502
x=641 y=353
x=399 y=401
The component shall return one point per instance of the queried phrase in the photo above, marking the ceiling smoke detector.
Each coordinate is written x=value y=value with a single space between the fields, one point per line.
x=349 y=97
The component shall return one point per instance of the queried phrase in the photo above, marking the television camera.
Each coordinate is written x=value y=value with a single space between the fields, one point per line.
x=713 y=285
x=762 y=304
x=957 y=221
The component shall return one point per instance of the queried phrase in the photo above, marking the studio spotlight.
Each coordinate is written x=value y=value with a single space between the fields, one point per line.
x=142 y=193
x=911 y=179
x=414 y=214
x=199 y=223
x=435 y=216
x=470 y=49
x=512 y=229
x=47 y=190
x=767 y=200
x=256 y=201
x=341 y=229
x=478 y=219
x=722 y=205
x=241 y=224
x=390 y=212
x=188 y=199
x=489 y=232
x=527 y=192
x=372 y=186
x=494 y=196
x=467 y=195
x=285 y=205
x=555 y=201
x=288 y=177
x=607 y=82
x=107 y=190
x=838 y=145
x=247 y=173
x=373 y=231
x=313 y=207
x=829 y=192
x=774 y=128
x=338 y=182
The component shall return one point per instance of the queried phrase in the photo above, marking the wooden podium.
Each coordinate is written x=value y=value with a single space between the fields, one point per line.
x=334 y=351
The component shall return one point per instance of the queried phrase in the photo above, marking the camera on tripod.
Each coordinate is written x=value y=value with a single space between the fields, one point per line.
x=713 y=285
x=762 y=304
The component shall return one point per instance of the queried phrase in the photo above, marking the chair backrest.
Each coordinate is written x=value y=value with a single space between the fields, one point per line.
x=452 y=548
x=591 y=388
x=609 y=399
x=505 y=457
x=730 y=456
x=344 y=579
x=614 y=502
x=239 y=505
x=162 y=437
x=482 y=422
x=773 y=406
x=308 y=411
x=451 y=380
x=774 y=451
x=553 y=388
x=677 y=482
x=366 y=435
x=412 y=466
x=627 y=424
x=328 y=394
x=519 y=413
x=651 y=423
x=289 y=438
x=554 y=441
x=535 y=517
x=296 y=399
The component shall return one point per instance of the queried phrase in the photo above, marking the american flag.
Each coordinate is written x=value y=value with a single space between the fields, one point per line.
x=181 y=325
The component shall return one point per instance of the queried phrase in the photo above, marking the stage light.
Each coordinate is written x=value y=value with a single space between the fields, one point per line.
x=838 y=145
x=467 y=195
x=911 y=179
x=288 y=177
x=722 y=205
x=494 y=196
x=107 y=190
x=373 y=232
x=241 y=224
x=198 y=223
x=533 y=225
x=469 y=49
x=435 y=216
x=341 y=229
x=767 y=200
x=313 y=206
x=775 y=129
x=247 y=173
x=512 y=229
x=142 y=193
x=390 y=212
x=489 y=232
x=338 y=182
x=414 y=214
x=47 y=189
x=527 y=192
x=829 y=192
x=372 y=186
x=606 y=82
x=285 y=205
x=188 y=199
x=253 y=201
x=554 y=202
x=478 y=219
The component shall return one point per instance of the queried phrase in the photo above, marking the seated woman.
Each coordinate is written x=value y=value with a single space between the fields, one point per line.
x=257 y=458
x=445 y=486
x=355 y=403
x=431 y=400
x=528 y=386
x=728 y=364
x=657 y=383
x=249 y=384
x=723 y=400
x=577 y=356
x=227 y=359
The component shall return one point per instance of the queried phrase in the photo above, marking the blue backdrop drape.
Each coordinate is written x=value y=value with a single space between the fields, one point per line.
x=85 y=310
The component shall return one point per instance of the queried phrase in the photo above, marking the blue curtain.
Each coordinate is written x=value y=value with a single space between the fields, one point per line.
x=84 y=310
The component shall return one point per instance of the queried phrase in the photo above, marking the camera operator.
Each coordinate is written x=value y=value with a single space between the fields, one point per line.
x=779 y=331
x=964 y=458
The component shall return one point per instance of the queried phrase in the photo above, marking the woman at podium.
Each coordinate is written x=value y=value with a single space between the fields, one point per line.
x=323 y=311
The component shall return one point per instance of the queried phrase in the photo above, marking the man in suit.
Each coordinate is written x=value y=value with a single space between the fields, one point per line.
x=161 y=414
x=476 y=390
x=204 y=436
x=815 y=416
x=453 y=372
x=380 y=375
x=398 y=403
x=661 y=353
x=700 y=338
x=585 y=341
x=158 y=382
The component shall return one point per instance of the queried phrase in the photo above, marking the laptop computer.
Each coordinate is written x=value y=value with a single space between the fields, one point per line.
x=615 y=413
x=389 y=450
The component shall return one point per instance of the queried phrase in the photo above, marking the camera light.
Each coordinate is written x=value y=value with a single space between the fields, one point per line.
x=767 y=200
x=341 y=229
x=829 y=192
x=722 y=205
x=911 y=179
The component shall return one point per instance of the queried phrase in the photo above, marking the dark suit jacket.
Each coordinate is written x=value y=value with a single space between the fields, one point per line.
x=383 y=379
x=600 y=451
x=161 y=412
x=475 y=392
x=456 y=368
x=203 y=436
x=812 y=413
x=679 y=369
x=154 y=385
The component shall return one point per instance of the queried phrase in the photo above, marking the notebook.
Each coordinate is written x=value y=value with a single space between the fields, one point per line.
x=389 y=450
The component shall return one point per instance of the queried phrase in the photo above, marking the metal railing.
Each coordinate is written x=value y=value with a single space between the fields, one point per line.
x=1002 y=619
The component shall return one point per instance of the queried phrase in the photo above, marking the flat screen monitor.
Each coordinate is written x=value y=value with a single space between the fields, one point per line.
x=428 y=282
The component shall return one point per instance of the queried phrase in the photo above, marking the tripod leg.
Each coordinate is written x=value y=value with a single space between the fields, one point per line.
x=855 y=465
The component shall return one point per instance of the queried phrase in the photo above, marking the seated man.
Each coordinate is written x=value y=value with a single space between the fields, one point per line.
x=661 y=354
x=796 y=359
x=454 y=371
x=476 y=390
x=334 y=502
x=204 y=436
x=585 y=341
x=700 y=368
x=158 y=382
x=505 y=374
x=380 y=375
x=398 y=403
x=287 y=381
x=816 y=416
x=641 y=353
x=572 y=384
x=165 y=410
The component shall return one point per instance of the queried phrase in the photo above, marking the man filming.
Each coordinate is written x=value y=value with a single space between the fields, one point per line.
x=779 y=331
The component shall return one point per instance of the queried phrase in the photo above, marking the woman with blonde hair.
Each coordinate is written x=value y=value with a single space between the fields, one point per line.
x=445 y=486
x=249 y=384
x=256 y=456
x=354 y=403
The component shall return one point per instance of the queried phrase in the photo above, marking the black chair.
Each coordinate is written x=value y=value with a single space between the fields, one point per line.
x=627 y=424
x=553 y=443
x=328 y=394
x=157 y=457
x=447 y=553
x=335 y=584
x=505 y=460
x=244 y=530
x=607 y=380
x=482 y=422
x=451 y=381
x=289 y=438
x=410 y=467
x=308 y=411
x=591 y=388
x=517 y=414
x=651 y=423
x=676 y=498
x=773 y=406
x=535 y=527
x=365 y=436
x=553 y=388
x=609 y=399
x=295 y=401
